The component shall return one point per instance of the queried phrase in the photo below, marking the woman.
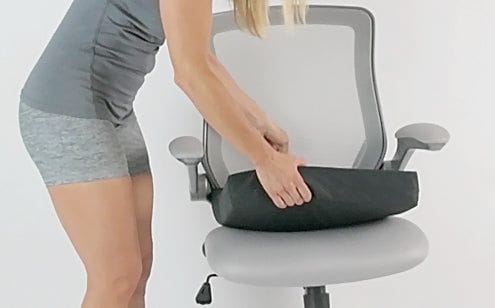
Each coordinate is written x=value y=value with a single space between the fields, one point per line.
x=78 y=125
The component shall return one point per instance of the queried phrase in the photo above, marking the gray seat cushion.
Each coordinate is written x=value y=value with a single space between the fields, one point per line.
x=319 y=257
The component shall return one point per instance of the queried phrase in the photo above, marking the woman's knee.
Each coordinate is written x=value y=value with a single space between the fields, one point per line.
x=147 y=263
x=119 y=280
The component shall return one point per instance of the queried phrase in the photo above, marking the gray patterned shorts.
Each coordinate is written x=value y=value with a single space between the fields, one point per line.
x=68 y=149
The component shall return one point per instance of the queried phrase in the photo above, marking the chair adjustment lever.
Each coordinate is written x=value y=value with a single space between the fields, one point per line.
x=204 y=294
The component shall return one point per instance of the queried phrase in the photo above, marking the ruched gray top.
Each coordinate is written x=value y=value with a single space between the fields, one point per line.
x=97 y=59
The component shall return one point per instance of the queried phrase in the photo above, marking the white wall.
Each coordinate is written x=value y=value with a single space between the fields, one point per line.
x=434 y=60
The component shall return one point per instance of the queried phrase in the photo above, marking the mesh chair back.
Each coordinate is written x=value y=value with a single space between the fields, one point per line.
x=315 y=80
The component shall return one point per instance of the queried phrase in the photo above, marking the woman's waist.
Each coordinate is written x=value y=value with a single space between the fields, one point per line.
x=80 y=102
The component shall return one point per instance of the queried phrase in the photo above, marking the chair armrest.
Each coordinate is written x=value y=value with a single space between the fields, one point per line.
x=425 y=136
x=189 y=151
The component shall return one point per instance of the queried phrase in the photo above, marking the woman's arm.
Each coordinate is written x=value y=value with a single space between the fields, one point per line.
x=252 y=110
x=187 y=26
x=275 y=135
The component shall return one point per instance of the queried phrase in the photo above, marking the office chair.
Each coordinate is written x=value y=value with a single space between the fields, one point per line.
x=317 y=82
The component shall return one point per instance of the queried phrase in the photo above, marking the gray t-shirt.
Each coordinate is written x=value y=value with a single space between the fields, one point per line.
x=97 y=59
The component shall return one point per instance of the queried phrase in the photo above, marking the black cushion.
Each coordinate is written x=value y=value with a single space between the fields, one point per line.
x=340 y=196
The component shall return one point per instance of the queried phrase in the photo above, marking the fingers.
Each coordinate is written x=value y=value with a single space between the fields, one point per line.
x=282 y=198
x=296 y=193
x=291 y=189
x=284 y=147
x=280 y=147
x=277 y=200
x=303 y=189
x=278 y=138
x=286 y=197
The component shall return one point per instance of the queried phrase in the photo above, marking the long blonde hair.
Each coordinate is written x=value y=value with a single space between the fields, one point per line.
x=252 y=15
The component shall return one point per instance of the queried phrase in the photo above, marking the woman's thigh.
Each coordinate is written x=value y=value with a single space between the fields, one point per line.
x=131 y=138
x=100 y=220
x=86 y=165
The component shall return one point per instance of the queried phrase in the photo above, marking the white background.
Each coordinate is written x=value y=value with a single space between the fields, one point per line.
x=434 y=63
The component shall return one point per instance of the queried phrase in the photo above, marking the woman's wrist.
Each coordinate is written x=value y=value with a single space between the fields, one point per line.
x=262 y=153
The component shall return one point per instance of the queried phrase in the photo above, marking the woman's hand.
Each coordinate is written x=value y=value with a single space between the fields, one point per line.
x=276 y=136
x=278 y=173
x=281 y=180
x=272 y=133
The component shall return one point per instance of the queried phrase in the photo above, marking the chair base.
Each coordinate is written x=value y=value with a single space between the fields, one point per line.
x=316 y=297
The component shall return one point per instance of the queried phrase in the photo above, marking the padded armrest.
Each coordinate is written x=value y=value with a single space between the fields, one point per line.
x=189 y=151
x=425 y=136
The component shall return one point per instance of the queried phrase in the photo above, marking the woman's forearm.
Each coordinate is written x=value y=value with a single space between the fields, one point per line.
x=214 y=100
x=254 y=113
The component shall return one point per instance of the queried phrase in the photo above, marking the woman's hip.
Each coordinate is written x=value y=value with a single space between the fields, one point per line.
x=68 y=149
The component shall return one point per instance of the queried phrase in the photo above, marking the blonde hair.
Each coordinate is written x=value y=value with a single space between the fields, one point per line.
x=252 y=15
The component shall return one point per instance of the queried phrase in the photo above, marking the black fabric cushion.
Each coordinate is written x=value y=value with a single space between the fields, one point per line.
x=340 y=196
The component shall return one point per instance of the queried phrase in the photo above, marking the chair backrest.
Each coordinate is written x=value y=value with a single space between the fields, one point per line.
x=316 y=81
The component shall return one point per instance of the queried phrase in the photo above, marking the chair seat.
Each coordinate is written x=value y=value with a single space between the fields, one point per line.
x=313 y=258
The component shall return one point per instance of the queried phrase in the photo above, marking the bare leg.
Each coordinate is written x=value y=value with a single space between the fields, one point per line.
x=99 y=218
x=143 y=192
